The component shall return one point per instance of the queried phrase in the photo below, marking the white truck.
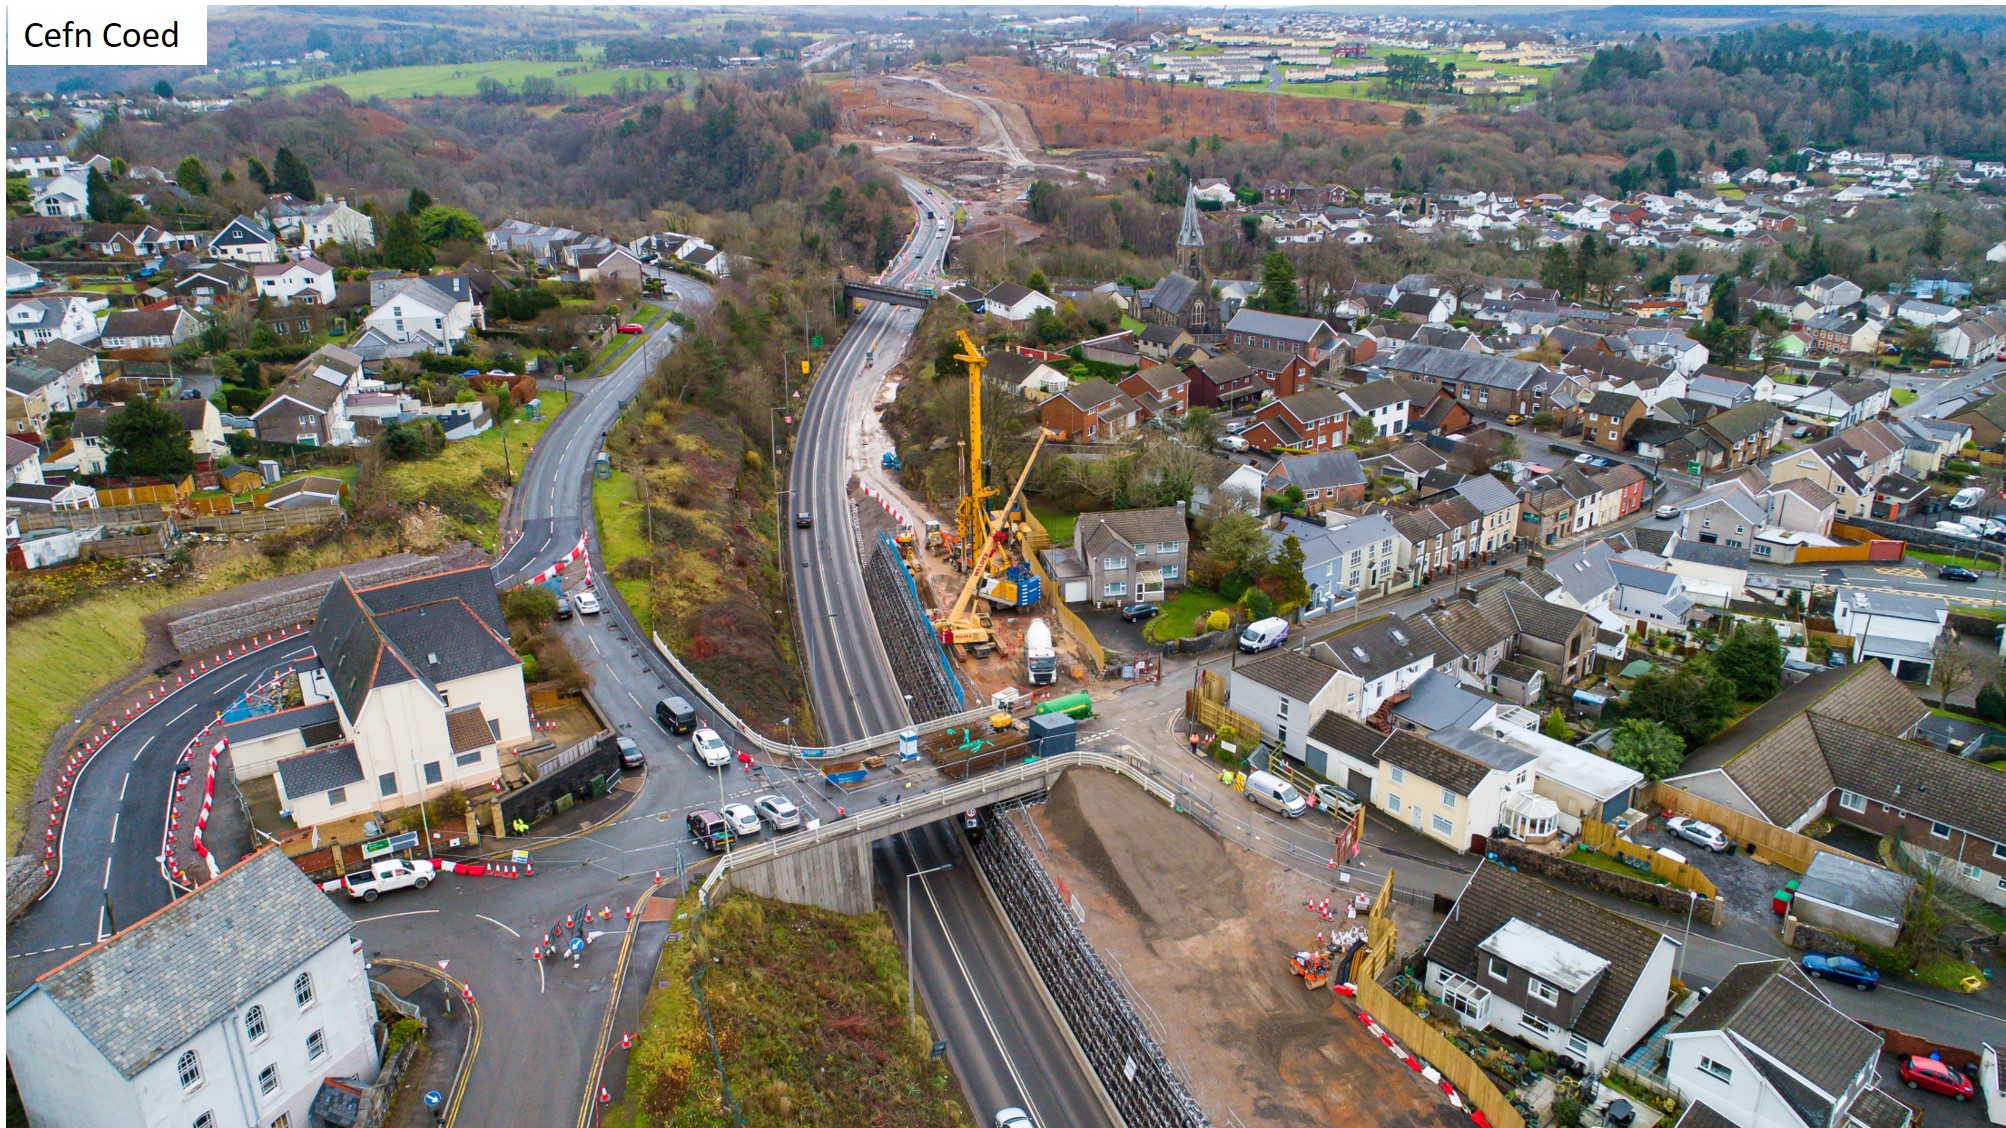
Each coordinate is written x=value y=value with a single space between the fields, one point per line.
x=388 y=875
x=1041 y=658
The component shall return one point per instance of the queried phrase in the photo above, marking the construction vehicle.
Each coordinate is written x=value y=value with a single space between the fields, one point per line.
x=1041 y=658
x=1017 y=589
x=1314 y=968
x=1079 y=706
x=963 y=625
x=891 y=462
x=972 y=513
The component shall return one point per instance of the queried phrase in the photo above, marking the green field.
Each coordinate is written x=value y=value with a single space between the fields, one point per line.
x=614 y=503
x=459 y=80
x=464 y=479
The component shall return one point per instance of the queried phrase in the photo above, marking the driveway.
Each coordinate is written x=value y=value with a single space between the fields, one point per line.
x=1114 y=632
x=1747 y=884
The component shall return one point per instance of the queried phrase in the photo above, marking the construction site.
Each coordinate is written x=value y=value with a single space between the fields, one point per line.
x=960 y=599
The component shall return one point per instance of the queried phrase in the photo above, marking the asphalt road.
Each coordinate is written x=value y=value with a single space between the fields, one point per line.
x=112 y=839
x=850 y=679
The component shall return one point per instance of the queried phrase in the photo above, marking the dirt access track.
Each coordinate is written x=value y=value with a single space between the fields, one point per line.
x=1203 y=932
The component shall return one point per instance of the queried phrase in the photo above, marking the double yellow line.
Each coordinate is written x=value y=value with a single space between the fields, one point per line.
x=473 y=1030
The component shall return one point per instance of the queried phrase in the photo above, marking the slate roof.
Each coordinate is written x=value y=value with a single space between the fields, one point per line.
x=1324 y=470
x=1772 y=1006
x=1160 y=525
x=1475 y=368
x=1291 y=673
x=1375 y=394
x=158 y=983
x=1495 y=896
x=61 y=355
x=1700 y=1115
x=393 y=633
x=1358 y=741
x=1278 y=325
x=1372 y=650
x=282 y=720
x=1465 y=627
x=1715 y=555
x=1615 y=367
x=1615 y=405
x=320 y=769
x=25 y=377
x=1486 y=493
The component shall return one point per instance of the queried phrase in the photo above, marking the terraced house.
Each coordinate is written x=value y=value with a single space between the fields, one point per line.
x=1494 y=384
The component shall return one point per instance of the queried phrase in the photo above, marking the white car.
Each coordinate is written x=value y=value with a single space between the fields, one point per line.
x=778 y=811
x=1667 y=512
x=1233 y=442
x=743 y=821
x=586 y=603
x=1014 y=1118
x=1698 y=833
x=709 y=748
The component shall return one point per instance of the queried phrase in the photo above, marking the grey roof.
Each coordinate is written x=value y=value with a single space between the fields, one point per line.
x=1358 y=741
x=1859 y=886
x=1436 y=703
x=152 y=987
x=1172 y=294
x=1486 y=493
x=1920 y=608
x=1324 y=470
x=320 y=769
x=1633 y=575
x=1771 y=1005
x=1475 y=368
x=283 y=720
x=1716 y=555
x=61 y=355
x=1374 y=649
x=1292 y=673
x=1489 y=751
x=1321 y=543
x=25 y=377
x=1496 y=895
x=1161 y=525
x=436 y=628
x=1584 y=572
x=1278 y=325
x=1701 y=1115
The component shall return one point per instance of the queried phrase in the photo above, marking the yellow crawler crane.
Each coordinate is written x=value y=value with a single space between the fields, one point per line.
x=972 y=514
x=964 y=626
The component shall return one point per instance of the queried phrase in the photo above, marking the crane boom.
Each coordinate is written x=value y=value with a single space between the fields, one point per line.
x=973 y=512
x=958 y=618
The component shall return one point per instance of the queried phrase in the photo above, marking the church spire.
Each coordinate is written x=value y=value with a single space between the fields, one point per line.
x=1191 y=241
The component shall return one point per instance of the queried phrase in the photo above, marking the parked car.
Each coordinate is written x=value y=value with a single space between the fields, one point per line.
x=1919 y=1072
x=709 y=748
x=1140 y=612
x=1801 y=432
x=1667 y=512
x=1514 y=419
x=742 y=819
x=382 y=877
x=1841 y=969
x=1234 y=443
x=709 y=828
x=587 y=603
x=1953 y=529
x=1331 y=797
x=1953 y=572
x=1698 y=833
x=631 y=756
x=630 y=329
x=1967 y=498
x=804 y=520
x=564 y=607
x=778 y=812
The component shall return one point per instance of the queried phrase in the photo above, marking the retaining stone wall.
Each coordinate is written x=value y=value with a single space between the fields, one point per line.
x=220 y=626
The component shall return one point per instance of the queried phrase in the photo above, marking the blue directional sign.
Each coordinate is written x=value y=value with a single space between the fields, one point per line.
x=433 y=1099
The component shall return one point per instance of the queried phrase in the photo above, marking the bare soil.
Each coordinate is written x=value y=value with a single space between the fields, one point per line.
x=1203 y=931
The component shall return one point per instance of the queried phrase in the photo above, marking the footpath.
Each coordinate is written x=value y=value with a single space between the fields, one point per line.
x=449 y=1028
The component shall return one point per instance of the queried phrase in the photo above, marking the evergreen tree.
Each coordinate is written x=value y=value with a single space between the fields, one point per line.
x=289 y=174
x=1933 y=227
x=1038 y=282
x=402 y=246
x=1555 y=725
x=99 y=197
x=1668 y=169
x=1278 y=286
x=142 y=440
x=417 y=201
x=191 y=176
x=1287 y=571
x=1726 y=300
x=1556 y=270
x=162 y=90
x=1237 y=539
x=1815 y=263
x=1752 y=658
x=255 y=169
x=1648 y=747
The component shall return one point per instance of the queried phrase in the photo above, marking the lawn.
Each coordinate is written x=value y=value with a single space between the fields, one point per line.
x=460 y=80
x=1601 y=861
x=620 y=539
x=1903 y=397
x=1939 y=559
x=623 y=345
x=465 y=479
x=1059 y=525
x=1948 y=973
x=1996 y=614
x=807 y=1008
x=1179 y=615
x=1131 y=324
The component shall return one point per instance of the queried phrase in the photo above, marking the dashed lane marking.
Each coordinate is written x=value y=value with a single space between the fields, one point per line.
x=50 y=951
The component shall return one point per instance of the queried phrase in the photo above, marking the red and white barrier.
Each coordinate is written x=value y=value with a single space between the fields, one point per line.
x=202 y=817
x=887 y=505
x=557 y=569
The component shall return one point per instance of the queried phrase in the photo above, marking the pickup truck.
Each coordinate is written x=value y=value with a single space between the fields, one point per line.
x=385 y=876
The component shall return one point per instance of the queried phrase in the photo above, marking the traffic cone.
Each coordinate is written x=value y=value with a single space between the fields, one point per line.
x=606 y=912
x=587 y=911
x=626 y=1041
x=568 y=922
x=630 y=912
x=528 y=870
x=658 y=877
x=604 y=1096
x=536 y=952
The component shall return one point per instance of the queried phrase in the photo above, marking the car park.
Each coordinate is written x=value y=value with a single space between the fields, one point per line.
x=709 y=828
x=586 y=602
x=1954 y=572
x=1667 y=512
x=741 y=818
x=1841 y=969
x=778 y=812
x=1698 y=833
x=1929 y=1074
x=1140 y=612
x=709 y=748
x=631 y=756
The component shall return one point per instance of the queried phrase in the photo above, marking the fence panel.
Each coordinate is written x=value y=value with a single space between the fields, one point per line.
x=1072 y=624
x=144 y=514
x=1603 y=838
x=266 y=520
x=1788 y=849
x=1214 y=716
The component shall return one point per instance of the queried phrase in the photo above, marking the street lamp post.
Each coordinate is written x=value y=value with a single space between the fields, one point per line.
x=1692 y=899
x=908 y=936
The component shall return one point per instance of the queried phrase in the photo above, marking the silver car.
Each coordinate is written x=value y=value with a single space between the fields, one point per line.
x=1698 y=833
x=778 y=812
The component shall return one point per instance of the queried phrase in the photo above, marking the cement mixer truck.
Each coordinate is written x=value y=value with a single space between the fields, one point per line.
x=1041 y=659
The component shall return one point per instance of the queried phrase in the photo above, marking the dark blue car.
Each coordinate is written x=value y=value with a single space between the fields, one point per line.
x=1841 y=969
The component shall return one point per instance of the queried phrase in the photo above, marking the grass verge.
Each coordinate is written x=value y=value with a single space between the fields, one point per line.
x=1179 y=615
x=1903 y=397
x=807 y=1009
x=618 y=510
x=1939 y=559
x=1596 y=860
x=465 y=480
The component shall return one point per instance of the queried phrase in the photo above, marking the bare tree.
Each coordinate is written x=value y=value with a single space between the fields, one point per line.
x=1949 y=669
x=1461 y=284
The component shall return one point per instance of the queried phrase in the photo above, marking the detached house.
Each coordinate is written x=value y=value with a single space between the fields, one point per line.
x=244 y=240
x=306 y=281
x=1089 y=411
x=421 y=315
x=148 y=328
x=198 y=418
x=1132 y=555
x=1564 y=974
x=1331 y=479
x=1309 y=421
x=333 y=221
x=1846 y=403
x=311 y=407
x=34 y=322
x=1010 y=302
x=1225 y=382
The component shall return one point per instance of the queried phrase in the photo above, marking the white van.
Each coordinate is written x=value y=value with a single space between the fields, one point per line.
x=1264 y=635
x=1968 y=497
x=1954 y=529
x=1276 y=794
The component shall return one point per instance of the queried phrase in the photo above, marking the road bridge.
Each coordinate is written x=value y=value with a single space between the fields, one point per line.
x=830 y=865
x=890 y=295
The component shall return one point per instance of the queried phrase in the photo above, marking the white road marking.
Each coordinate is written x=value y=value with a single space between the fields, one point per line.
x=135 y=758
x=114 y=828
x=123 y=784
x=390 y=916
x=500 y=925
x=107 y=875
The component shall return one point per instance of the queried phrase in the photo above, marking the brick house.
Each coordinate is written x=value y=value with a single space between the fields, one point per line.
x=1224 y=382
x=1308 y=337
x=1283 y=372
x=1835 y=746
x=1332 y=479
x=1317 y=419
x=1089 y=411
x=1162 y=391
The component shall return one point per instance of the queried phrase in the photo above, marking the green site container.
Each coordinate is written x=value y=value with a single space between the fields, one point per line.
x=1079 y=706
x=599 y=786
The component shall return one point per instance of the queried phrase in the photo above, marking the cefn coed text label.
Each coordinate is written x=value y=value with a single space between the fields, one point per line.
x=112 y=34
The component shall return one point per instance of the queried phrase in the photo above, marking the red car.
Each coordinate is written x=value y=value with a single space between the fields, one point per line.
x=630 y=327
x=1931 y=1074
